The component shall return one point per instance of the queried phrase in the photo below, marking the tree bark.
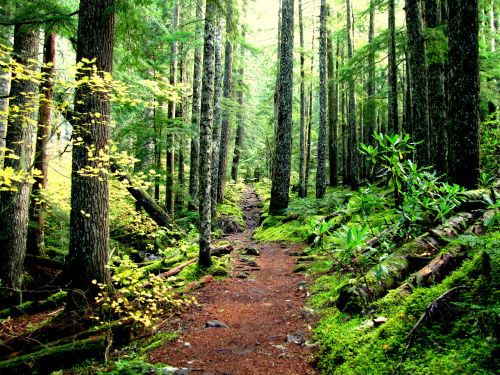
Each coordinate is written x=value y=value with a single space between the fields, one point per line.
x=240 y=116
x=170 y=161
x=333 y=108
x=216 y=132
x=392 y=116
x=321 y=166
x=435 y=79
x=418 y=84
x=206 y=118
x=14 y=204
x=36 y=232
x=302 y=152
x=225 y=125
x=463 y=86
x=195 y=112
x=352 y=147
x=283 y=143
x=89 y=226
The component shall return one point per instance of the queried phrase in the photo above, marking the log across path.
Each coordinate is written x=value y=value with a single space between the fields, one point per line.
x=253 y=322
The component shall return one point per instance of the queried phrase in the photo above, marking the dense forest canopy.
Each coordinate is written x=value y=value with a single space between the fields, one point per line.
x=134 y=120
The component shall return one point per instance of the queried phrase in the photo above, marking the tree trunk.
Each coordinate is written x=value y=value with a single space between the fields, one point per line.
x=320 y=168
x=392 y=104
x=89 y=227
x=240 y=115
x=370 y=107
x=333 y=108
x=14 y=204
x=418 y=74
x=463 y=84
x=283 y=143
x=5 y=78
x=170 y=161
x=435 y=79
x=37 y=208
x=309 y=120
x=181 y=114
x=206 y=118
x=216 y=132
x=195 y=112
x=352 y=147
x=302 y=152
x=225 y=125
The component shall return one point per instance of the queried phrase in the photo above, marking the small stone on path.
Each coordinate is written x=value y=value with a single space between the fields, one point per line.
x=215 y=324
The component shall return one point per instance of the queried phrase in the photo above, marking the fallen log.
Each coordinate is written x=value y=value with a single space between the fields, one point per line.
x=399 y=265
x=32 y=307
x=50 y=359
x=174 y=271
x=221 y=250
x=437 y=269
x=153 y=209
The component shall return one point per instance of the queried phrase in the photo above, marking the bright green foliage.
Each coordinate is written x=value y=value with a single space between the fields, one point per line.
x=142 y=300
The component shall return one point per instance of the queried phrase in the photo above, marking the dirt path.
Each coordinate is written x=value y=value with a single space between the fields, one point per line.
x=261 y=305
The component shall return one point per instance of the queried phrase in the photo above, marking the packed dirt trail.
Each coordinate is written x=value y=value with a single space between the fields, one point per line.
x=260 y=308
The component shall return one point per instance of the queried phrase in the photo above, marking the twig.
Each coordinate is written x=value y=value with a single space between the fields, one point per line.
x=429 y=311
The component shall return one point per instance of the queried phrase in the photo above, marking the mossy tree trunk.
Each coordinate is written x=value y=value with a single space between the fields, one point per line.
x=283 y=142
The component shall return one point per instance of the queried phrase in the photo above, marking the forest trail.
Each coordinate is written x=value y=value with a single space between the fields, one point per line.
x=261 y=307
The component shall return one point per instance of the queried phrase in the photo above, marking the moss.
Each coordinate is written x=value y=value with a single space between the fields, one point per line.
x=294 y=231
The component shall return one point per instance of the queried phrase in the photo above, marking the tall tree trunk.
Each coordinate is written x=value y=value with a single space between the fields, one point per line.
x=437 y=106
x=238 y=143
x=309 y=120
x=37 y=208
x=370 y=107
x=182 y=115
x=14 y=204
x=320 y=170
x=463 y=83
x=302 y=152
x=418 y=75
x=352 y=147
x=225 y=125
x=195 y=112
x=333 y=109
x=283 y=143
x=216 y=131
x=170 y=161
x=392 y=116
x=207 y=97
x=89 y=227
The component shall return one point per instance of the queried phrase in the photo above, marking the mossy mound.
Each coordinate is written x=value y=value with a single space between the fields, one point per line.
x=459 y=337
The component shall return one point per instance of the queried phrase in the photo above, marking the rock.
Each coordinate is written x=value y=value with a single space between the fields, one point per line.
x=294 y=253
x=300 y=268
x=215 y=324
x=251 y=250
x=207 y=279
x=302 y=285
x=296 y=338
x=380 y=320
x=308 y=313
x=256 y=291
x=187 y=345
x=242 y=275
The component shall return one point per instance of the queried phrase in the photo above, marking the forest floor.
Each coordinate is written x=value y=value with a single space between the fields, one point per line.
x=253 y=322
